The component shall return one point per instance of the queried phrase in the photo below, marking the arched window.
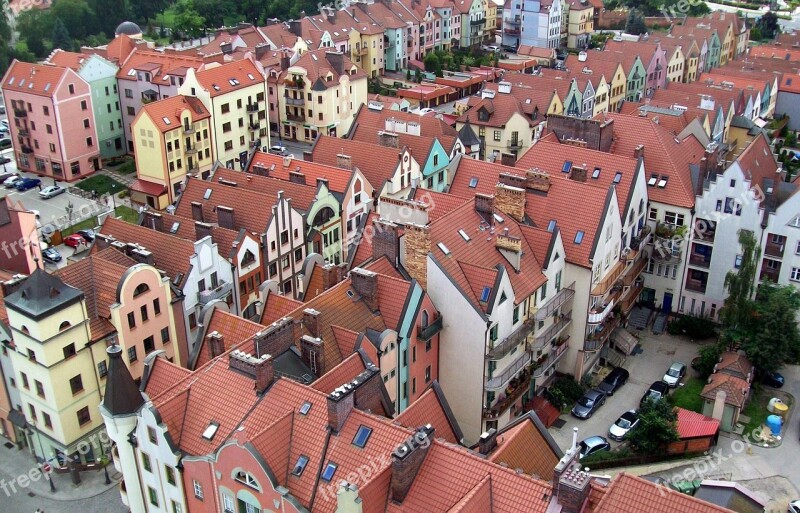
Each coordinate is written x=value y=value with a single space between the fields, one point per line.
x=64 y=325
x=425 y=319
x=323 y=216
x=24 y=329
x=140 y=289
x=246 y=478
x=357 y=187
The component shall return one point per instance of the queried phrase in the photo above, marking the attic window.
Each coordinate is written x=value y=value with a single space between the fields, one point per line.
x=350 y=293
x=567 y=166
x=788 y=81
x=233 y=82
x=663 y=182
x=330 y=469
x=473 y=182
x=178 y=278
x=362 y=435
x=215 y=86
x=464 y=235
x=618 y=177
x=443 y=248
x=579 y=237
x=166 y=120
x=498 y=218
x=652 y=181
x=596 y=173
x=250 y=76
x=551 y=225
x=306 y=407
x=132 y=73
x=140 y=289
x=211 y=430
x=175 y=227
x=300 y=466
x=207 y=194
x=246 y=478
x=503 y=298
x=485 y=294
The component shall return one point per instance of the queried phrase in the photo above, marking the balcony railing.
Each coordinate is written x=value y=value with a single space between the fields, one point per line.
x=363 y=51
x=597 y=316
x=190 y=149
x=559 y=299
x=511 y=396
x=193 y=170
x=774 y=250
x=20 y=113
x=295 y=117
x=555 y=354
x=631 y=296
x=698 y=260
x=294 y=101
x=479 y=21
x=255 y=126
x=697 y=285
x=218 y=292
x=252 y=108
x=604 y=285
x=510 y=342
x=188 y=129
x=705 y=231
x=634 y=272
x=514 y=21
x=514 y=143
x=514 y=31
x=599 y=337
x=500 y=380
x=550 y=333
x=430 y=330
x=23 y=132
x=27 y=149
x=297 y=83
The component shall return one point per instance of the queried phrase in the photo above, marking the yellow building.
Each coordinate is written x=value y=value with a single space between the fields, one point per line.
x=580 y=24
x=55 y=369
x=491 y=21
x=691 y=62
x=602 y=95
x=172 y=139
x=320 y=94
x=235 y=95
x=676 y=62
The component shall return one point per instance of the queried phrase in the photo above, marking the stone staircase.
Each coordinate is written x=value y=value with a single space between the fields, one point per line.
x=660 y=324
x=638 y=318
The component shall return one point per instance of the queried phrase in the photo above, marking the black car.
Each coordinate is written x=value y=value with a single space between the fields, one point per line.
x=614 y=380
x=772 y=379
x=87 y=234
x=591 y=401
x=657 y=391
x=51 y=255
x=4 y=160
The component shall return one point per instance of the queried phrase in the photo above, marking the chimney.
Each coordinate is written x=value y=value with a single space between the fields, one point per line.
x=331 y=275
x=388 y=139
x=5 y=215
x=340 y=404
x=487 y=442
x=311 y=321
x=202 y=230
x=285 y=60
x=510 y=200
x=153 y=220
x=142 y=256
x=11 y=286
x=508 y=159
x=225 y=218
x=322 y=181
x=417 y=246
x=296 y=29
x=276 y=338
x=537 y=180
x=261 y=50
x=385 y=241
x=336 y=60
x=308 y=156
x=297 y=177
x=197 y=211
x=484 y=204
x=216 y=344
x=312 y=352
x=226 y=48
x=365 y=284
x=102 y=241
x=510 y=247
x=573 y=487
x=407 y=461
x=260 y=370
x=344 y=161
x=578 y=174
x=638 y=152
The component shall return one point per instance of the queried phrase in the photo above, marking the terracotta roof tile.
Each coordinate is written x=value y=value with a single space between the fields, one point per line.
x=343 y=373
x=302 y=196
x=736 y=389
x=234 y=331
x=377 y=163
x=430 y=126
x=428 y=409
x=277 y=307
x=345 y=339
x=524 y=446
x=38 y=79
x=316 y=285
x=758 y=162
x=64 y=59
x=694 y=425
x=735 y=364
x=363 y=252
x=163 y=376
x=338 y=178
x=279 y=35
x=632 y=494
x=477 y=500
x=273 y=444
x=439 y=203
x=500 y=110
x=383 y=266
x=167 y=114
x=160 y=65
x=318 y=64
x=673 y=120
x=185 y=229
x=229 y=77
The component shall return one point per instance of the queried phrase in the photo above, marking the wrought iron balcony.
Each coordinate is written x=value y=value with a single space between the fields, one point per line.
x=188 y=129
x=550 y=333
x=426 y=333
x=252 y=108
x=218 y=292
x=541 y=366
x=555 y=302
x=295 y=117
x=500 y=380
x=294 y=101
x=20 y=113
x=514 y=144
x=516 y=338
x=190 y=149
x=511 y=396
x=596 y=316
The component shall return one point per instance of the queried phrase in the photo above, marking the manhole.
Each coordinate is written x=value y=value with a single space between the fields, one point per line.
x=31 y=494
x=559 y=423
x=9 y=445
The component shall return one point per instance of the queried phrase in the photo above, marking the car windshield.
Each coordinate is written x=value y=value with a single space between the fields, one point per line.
x=654 y=394
x=623 y=423
x=585 y=401
x=673 y=373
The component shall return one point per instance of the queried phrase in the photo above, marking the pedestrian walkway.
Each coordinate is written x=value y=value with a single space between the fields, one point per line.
x=126 y=180
x=21 y=473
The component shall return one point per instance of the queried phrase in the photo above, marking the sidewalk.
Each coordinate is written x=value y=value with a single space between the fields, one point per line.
x=15 y=463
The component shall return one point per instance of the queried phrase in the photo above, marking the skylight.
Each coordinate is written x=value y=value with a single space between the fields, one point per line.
x=567 y=166
x=305 y=408
x=362 y=435
x=596 y=173
x=132 y=73
x=233 y=82
x=166 y=120
x=211 y=430
x=485 y=294
x=551 y=225
x=579 y=237
x=663 y=182
x=443 y=248
x=47 y=87
x=350 y=293
x=215 y=86
x=464 y=235
x=330 y=469
x=652 y=181
x=618 y=177
x=300 y=466
x=250 y=76
x=175 y=227
x=473 y=182
x=207 y=194
x=498 y=218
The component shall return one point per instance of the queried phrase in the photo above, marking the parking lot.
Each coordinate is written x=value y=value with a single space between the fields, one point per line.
x=658 y=353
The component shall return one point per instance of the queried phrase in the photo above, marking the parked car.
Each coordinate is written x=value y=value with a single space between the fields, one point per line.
x=592 y=445
x=279 y=150
x=73 y=240
x=27 y=184
x=613 y=381
x=772 y=379
x=674 y=374
x=12 y=181
x=4 y=124
x=591 y=401
x=51 y=190
x=51 y=255
x=657 y=390
x=5 y=176
x=87 y=234
x=4 y=160
x=620 y=429
x=5 y=143
x=794 y=506
x=491 y=48
x=3 y=110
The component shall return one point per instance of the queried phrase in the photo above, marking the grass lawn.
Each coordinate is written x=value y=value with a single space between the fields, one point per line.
x=127 y=168
x=127 y=214
x=86 y=223
x=165 y=19
x=756 y=409
x=688 y=396
x=101 y=184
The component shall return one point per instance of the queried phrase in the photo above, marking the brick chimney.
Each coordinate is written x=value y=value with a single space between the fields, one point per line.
x=336 y=60
x=295 y=28
x=153 y=220
x=276 y=338
x=508 y=159
x=487 y=442
x=321 y=182
x=344 y=161
x=141 y=255
x=484 y=204
x=417 y=246
x=261 y=50
x=312 y=352
x=202 y=230
x=311 y=321
x=225 y=217
x=638 y=151
x=578 y=174
x=197 y=211
x=510 y=200
x=331 y=275
x=365 y=284
x=385 y=241
x=216 y=344
x=573 y=487
x=260 y=370
x=340 y=404
x=407 y=461
x=537 y=180
x=514 y=180
x=297 y=177
x=11 y=286
x=388 y=139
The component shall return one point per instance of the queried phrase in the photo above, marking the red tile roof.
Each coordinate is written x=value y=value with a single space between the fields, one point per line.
x=38 y=79
x=383 y=266
x=277 y=307
x=302 y=196
x=736 y=389
x=184 y=227
x=363 y=252
x=431 y=408
x=430 y=126
x=318 y=63
x=64 y=59
x=149 y=188
x=758 y=162
x=163 y=376
x=160 y=65
x=524 y=445
x=229 y=77
x=377 y=163
x=500 y=109
x=695 y=425
x=167 y=114
x=343 y=373
x=338 y=178
x=234 y=331
x=632 y=494
x=345 y=339
x=439 y=203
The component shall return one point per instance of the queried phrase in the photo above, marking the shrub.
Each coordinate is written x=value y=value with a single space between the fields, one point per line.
x=708 y=358
x=564 y=391
x=697 y=328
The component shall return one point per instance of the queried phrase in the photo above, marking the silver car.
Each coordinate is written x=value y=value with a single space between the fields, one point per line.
x=51 y=190
x=674 y=374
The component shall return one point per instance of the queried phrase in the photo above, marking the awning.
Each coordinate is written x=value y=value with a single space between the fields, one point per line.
x=149 y=188
x=18 y=419
x=624 y=340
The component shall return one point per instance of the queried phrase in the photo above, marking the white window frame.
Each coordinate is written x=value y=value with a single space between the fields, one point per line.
x=795 y=275
x=198 y=488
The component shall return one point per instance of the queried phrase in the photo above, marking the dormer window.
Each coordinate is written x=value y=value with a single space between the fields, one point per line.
x=246 y=478
x=140 y=289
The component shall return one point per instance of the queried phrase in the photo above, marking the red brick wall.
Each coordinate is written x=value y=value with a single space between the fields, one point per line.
x=416 y=369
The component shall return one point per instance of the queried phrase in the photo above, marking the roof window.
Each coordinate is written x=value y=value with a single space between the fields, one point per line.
x=579 y=237
x=596 y=173
x=175 y=227
x=211 y=430
x=567 y=166
x=305 y=408
x=663 y=182
x=443 y=248
x=300 y=466
x=473 y=182
x=362 y=435
x=652 y=181
x=464 y=235
x=330 y=469
x=618 y=177
x=485 y=294
x=207 y=194
x=551 y=225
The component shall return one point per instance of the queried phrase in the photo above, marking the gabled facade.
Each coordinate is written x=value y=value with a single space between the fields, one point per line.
x=581 y=24
x=533 y=23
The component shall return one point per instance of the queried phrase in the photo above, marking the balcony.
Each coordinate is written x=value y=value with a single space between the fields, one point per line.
x=193 y=170
x=774 y=249
x=512 y=31
x=296 y=117
x=604 y=285
x=630 y=297
x=188 y=129
x=516 y=338
x=543 y=364
x=699 y=260
x=596 y=340
x=20 y=113
x=426 y=333
x=190 y=149
x=295 y=83
x=598 y=315
x=23 y=132
x=514 y=144
x=516 y=20
x=638 y=243
x=27 y=149
x=254 y=125
x=294 y=101
x=363 y=51
x=251 y=108
x=501 y=380
x=552 y=332
x=478 y=22
x=634 y=272
x=551 y=306
x=218 y=292
x=514 y=391
x=696 y=285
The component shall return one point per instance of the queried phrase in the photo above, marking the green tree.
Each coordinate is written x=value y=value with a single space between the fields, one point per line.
x=739 y=284
x=768 y=25
x=77 y=15
x=253 y=11
x=775 y=338
x=707 y=359
x=656 y=428
x=635 y=24
x=61 y=37
x=433 y=64
x=145 y=10
x=34 y=26
x=791 y=139
x=6 y=52
x=109 y=14
x=213 y=11
x=187 y=20
x=755 y=34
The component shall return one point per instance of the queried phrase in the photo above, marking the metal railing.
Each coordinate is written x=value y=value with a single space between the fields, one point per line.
x=559 y=299
x=218 y=292
x=604 y=285
x=427 y=332
x=295 y=117
x=188 y=130
x=553 y=356
x=294 y=101
x=596 y=317
x=499 y=381
x=251 y=108
x=551 y=332
x=517 y=337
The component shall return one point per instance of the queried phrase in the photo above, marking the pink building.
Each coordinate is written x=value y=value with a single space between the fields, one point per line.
x=51 y=121
x=19 y=248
